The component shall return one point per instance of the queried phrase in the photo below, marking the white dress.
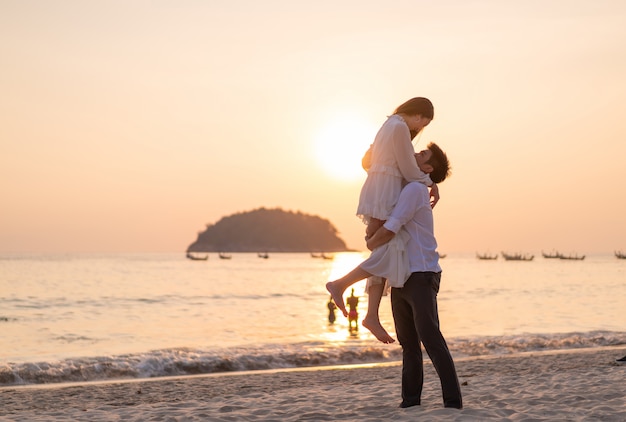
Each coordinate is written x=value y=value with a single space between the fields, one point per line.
x=389 y=261
x=392 y=161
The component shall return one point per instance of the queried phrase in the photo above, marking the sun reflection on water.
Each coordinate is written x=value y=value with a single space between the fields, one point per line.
x=338 y=332
x=342 y=264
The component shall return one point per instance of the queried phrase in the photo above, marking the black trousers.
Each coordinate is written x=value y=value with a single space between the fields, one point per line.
x=416 y=319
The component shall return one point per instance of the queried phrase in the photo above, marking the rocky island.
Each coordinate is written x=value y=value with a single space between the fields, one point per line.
x=269 y=230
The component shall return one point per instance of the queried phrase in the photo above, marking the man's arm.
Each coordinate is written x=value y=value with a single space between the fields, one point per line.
x=379 y=238
x=408 y=203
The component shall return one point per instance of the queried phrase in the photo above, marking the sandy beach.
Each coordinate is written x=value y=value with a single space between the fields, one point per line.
x=581 y=385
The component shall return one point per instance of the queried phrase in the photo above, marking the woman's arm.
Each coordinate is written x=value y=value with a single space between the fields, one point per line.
x=366 y=161
x=404 y=155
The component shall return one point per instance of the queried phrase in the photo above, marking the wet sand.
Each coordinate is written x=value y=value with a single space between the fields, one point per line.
x=581 y=385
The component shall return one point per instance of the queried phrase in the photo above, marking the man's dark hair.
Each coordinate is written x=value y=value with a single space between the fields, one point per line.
x=440 y=163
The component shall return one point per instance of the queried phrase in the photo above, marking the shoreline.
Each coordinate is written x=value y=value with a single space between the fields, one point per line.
x=70 y=384
x=573 y=384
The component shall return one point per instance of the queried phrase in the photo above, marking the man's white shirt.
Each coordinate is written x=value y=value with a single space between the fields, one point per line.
x=414 y=214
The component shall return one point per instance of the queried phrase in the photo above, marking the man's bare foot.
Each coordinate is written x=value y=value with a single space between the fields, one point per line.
x=379 y=332
x=337 y=296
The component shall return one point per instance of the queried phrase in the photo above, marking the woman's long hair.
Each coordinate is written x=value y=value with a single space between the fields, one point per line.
x=417 y=105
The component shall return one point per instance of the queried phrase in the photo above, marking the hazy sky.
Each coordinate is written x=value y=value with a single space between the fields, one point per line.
x=129 y=125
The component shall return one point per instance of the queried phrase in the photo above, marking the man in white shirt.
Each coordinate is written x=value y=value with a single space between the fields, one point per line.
x=414 y=305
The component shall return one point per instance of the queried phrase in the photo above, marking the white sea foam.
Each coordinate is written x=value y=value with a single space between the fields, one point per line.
x=185 y=361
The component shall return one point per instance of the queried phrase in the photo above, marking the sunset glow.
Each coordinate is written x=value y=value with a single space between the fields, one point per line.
x=340 y=144
x=128 y=126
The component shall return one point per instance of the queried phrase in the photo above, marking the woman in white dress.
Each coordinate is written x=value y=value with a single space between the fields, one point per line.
x=389 y=162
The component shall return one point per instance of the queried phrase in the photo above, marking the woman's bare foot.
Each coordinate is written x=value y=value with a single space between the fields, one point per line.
x=337 y=296
x=373 y=324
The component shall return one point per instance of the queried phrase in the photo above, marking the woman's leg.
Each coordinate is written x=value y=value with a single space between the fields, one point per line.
x=372 y=320
x=337 y=287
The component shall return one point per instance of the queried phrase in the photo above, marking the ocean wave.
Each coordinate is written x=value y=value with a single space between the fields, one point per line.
x=108 y=302
x=498 y=345
x=187 y=361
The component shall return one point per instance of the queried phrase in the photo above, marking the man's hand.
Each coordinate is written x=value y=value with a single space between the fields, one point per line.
x=379 y=238
x=434 y=195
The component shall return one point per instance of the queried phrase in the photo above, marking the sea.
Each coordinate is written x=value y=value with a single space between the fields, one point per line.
x=103 y=317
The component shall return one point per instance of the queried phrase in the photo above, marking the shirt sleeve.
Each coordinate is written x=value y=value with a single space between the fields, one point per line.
x=404 y=155
x=408 y=203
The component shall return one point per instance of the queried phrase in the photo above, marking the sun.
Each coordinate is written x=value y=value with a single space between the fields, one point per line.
x=340 y=145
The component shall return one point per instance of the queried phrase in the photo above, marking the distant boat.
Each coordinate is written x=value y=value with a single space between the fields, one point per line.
x=486 y=256
x=620 y=255
x=316 y=255
x=224 y=256
x=197 y=258
x=517 y=257
x=263 y=255
x=553 y=255
x=324 y=256
x=572 y=257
